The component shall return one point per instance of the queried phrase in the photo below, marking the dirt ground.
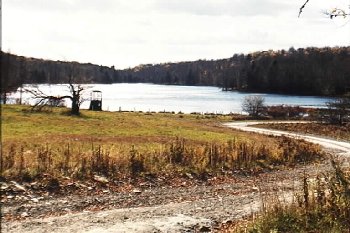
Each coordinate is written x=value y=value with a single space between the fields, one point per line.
x=193 y=207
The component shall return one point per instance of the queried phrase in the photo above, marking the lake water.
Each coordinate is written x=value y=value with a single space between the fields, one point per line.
x=187 y=99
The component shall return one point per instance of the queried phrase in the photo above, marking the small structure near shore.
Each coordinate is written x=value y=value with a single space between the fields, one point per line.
x=96 y=101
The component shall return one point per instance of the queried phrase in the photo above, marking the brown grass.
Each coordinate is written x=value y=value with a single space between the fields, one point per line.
x=322 y=205
x=119 y=145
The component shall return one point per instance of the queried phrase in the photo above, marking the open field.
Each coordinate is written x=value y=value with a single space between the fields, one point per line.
x=120 y=144
x=19 y=123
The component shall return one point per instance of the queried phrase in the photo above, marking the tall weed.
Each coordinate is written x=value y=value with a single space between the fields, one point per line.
x=175 y=157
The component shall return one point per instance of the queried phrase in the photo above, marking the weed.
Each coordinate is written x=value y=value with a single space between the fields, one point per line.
x=136 y=162
x=44 y=159
x=21 y=166
x=175 y=157
x=324 y=206
x=8 y=159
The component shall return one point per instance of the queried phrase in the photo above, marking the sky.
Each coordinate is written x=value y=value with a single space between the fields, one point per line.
x=126 y=33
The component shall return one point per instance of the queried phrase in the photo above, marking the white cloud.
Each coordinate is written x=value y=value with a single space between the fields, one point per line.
x=224 y=7
x=129 y=32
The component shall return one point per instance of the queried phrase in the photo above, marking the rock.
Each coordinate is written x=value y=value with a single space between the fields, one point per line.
x=189 y=175
x=101 y=179
x=227 y=222
x=53 y=185
x=20 y=209
x=204 y=229
x=145 y=184
x=34 y=185
x=255 y=189
x=17 y=187
x=22 y=198
x=3 y=186
x=81 y=185
x=136 y=191
x=35 y=200
x=24 y=214
x=102 y=215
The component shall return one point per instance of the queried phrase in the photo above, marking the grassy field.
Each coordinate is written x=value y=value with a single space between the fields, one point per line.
x=119 y=144
x=117 y=130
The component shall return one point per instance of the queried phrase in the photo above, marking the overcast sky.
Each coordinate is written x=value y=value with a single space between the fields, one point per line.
x=126 y=33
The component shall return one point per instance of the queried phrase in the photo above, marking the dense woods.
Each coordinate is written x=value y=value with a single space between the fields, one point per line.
x=309 y=71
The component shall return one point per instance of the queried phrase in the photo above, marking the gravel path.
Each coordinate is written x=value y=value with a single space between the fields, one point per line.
x=200 y=207
x=196 y=208
x=342 y=146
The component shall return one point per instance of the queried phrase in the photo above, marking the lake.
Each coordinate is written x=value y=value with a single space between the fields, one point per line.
x=187 y=99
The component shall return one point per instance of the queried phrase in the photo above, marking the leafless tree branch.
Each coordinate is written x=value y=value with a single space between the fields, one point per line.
x=44 y=99
x=336 y=12
x=302 y=7
x=332 y=14
x=51 y=100
x=38 y=94
x=76 y=93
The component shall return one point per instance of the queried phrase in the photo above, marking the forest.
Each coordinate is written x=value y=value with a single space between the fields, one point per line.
x=304 y=71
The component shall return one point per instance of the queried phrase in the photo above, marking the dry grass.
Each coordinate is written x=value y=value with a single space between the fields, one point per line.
x=120 y=145
x=322 y=205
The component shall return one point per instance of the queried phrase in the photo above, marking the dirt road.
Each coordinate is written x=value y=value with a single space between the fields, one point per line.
x=196 y=208
x=186 y=208
x=344 y=147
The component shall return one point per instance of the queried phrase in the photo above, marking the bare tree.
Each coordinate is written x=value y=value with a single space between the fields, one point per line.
x=76 y=92
x=302 y=7
x=253 y=104
x=44 y=99
x=335 y=12
x=76 y=97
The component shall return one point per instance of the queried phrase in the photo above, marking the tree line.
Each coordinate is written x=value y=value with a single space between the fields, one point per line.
x=305 y=71
x=310 y=71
